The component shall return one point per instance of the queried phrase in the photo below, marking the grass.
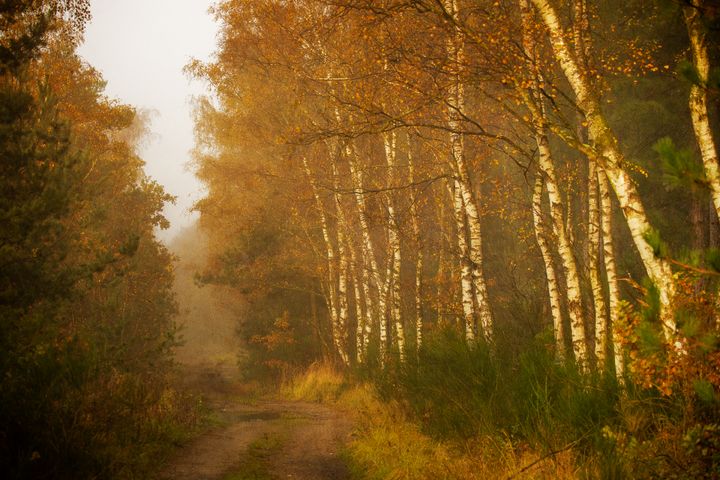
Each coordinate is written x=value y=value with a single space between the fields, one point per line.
x=320 y=383
x=466 y=412
x=389 y=443
x=256 y=461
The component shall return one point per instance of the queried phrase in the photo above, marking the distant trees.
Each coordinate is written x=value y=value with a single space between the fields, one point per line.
x=413 y=142
x=85 y=289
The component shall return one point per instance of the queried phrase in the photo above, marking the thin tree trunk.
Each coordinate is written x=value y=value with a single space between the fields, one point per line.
x=466 y=280
x=418 y=249
x=368 y=251
x=456 y=107
x=612 y=160
x=332 y=298
x=339 y=332
x=692 y=11
x=557 y=213
x=390 y=142
x=542 y=235
x=610 y=270
x=601 y=319
x=360 y=301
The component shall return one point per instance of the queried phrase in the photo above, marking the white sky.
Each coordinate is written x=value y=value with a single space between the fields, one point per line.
x=141 y=47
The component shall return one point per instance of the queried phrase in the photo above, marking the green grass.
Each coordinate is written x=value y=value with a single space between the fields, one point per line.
x=256 y=461
x=320 y=383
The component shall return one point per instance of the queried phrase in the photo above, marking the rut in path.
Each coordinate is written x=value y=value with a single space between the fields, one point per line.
x=267 y=439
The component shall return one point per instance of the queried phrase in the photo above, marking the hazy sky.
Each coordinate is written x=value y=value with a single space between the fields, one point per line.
x=141 y=46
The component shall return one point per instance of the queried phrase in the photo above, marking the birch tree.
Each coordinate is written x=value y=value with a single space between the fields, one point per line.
x=542 y=236
x=456 y=110
x=613 y=161
x=557 y=211
x=693 y=13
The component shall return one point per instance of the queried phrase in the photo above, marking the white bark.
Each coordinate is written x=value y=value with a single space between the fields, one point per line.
x=339 y=332
x=390 y=142
x=368 y=251
x=329 y=249
x=418 y=250
x=557 y=213
x=610 y=270
x=572 y=279
x=466 y=280
x=596 y=286
x=698 y=97
x=612 y=161
x=360 y=303
x=542 y=235
x=456 y=108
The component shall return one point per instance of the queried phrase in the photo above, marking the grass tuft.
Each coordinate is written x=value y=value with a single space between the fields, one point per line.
x=321 y=383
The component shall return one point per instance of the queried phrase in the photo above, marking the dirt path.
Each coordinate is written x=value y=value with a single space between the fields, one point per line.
x=260 y=440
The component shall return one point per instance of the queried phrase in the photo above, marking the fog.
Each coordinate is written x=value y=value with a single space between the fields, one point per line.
x=141 y=47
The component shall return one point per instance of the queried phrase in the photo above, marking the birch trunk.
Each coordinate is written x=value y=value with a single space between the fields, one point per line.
x=612 y=161
x=390 y=142
x=572 y=279
x=332 y=298
x=610 y=270
x=456 y=108
x=368 y=251
x=360 y=302
x=557 y=213
x=466 y=280
x=542 y=235
x=339 y=332
x=600 y=307
x=418 y=250
x=692 y=10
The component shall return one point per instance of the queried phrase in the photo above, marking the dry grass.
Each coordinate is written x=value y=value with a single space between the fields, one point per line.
x=320 y=383
x=387 y=445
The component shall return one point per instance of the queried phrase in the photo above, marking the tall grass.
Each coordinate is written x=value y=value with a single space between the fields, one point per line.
x=321 y=382
x=461 y=391
x=468 y=411
x=389 y=441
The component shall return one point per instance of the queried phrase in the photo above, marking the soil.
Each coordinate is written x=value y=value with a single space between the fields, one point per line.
x=262 y=438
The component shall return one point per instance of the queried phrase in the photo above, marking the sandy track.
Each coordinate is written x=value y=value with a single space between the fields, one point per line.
x=310 y=437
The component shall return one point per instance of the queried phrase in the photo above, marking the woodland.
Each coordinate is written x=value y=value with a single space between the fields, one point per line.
x=498 y=217
x=86 y=303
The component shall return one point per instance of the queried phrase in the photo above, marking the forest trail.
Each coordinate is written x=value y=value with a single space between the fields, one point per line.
x=264 y=439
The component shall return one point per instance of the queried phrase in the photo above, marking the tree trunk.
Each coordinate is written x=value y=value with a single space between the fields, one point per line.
x=331 y=279
x=390 y=142
x=542 y=235
x=692 y=10
x=340 y=327
x=368 y=251
x=601 y=319
x=557 y=214
x=610 y=270
x=456 y=108
x=466 y=280
x=418 y=249
x=612 y=160
x=360 y=301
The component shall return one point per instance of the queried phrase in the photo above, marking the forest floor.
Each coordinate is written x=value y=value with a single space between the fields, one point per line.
x=258 y=438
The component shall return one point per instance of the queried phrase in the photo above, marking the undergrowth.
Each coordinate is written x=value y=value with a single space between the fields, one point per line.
x=390 y=443
x=462 y=412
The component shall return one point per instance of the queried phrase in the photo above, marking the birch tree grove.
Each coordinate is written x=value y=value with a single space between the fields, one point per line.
x=484 y=234
x=416 y=143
